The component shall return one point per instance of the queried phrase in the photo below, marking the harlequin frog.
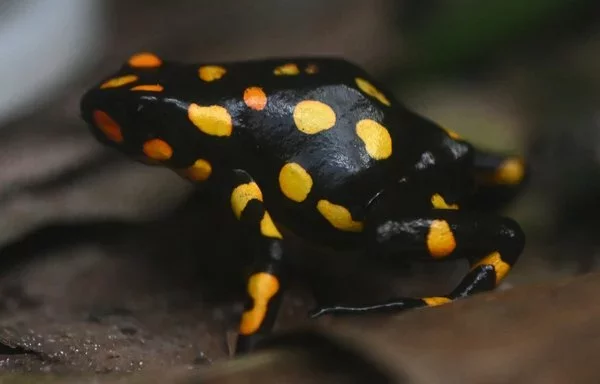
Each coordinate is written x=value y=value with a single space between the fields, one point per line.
x=319 y=147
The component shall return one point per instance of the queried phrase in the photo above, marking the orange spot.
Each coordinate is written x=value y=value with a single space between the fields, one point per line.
x=255 y=98
x=151 y=88
x=158 y=149
x=118 y=81
x=268 y=228
x=211 y=72
x=145 y=60
x=199 y=171
x=500 y=266
x=511 y=172
x=108 y=126
x=289 y=69
x=262 y=287
x=311 y=69
x=440 y=240
x=436 y=300
x=438 y=202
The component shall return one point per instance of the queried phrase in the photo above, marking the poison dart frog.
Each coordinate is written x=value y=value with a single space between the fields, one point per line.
x=319 y=147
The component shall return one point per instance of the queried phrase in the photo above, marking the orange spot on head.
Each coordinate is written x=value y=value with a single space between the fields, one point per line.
x=262 y=287
x=118 y=81
x=149 y=88
x=440 y=239
x=144 y=60
x=108 y=126
x=158 y=149
x=255 y=98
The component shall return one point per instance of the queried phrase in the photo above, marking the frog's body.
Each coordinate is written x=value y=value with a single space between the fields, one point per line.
x=312 y=144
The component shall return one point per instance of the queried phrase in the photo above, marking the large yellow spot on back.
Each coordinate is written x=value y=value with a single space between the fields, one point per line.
x=262 y=287
x=440 y=239
x=312 y=116
x=295 y=182
x=145 y=60
x=438 y=202
x=376 y=137
x=268 y=228
x=255 y=98
x=213 y=120
x=119 y=81
x=242 y=194
x=339 y=216
x=211 y=72
x=199 y=171
x=500 y=266
x=108 y=126
x=289 y=69
x=157 y=149
x=370 y=90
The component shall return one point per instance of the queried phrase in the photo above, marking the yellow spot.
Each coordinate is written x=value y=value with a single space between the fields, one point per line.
x=150 y=87
x=213 y=120
x=311 y=69
x=199 y=171
x=511 y=171
x=436 y=300
x=452 y=134
x=108 y=126
x=500 y=266
x=145 y=60
x=370 y=90
x=376 y=137
x=262 y=287
x=440 y=240
x=242 y=194
x=438 y=202
x=295 y=182
x=255 y=98
x=158 y=149
x=118 y=81
x=286 y=69
x=268 y=228
x=312 y=116
x=339 y=216
x=211 y=72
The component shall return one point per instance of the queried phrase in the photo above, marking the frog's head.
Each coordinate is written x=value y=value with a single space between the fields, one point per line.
x=130 y=111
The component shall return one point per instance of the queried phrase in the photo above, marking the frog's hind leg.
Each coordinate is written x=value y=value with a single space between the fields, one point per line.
x=491 y=244
x=499 y=178
x=264 y=285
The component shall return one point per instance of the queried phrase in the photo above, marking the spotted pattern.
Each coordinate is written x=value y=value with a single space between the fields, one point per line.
x=500 y=266
x=436 y=300
x=119 y=81
x=370 y=90
x=262 y=287
x=149 y=88
x=440 y=239
x=144 y=60
x=158 y=149
x=255 y=98
x=289 y=69
x=438 y=202
x=295 y=182
x=199 y=171
x=210 y=73
x=242 y=194
x=108 y=126
x=268 y=228
x=311 y=116
x=376 y=138
x=338 y=216
x=213 y=120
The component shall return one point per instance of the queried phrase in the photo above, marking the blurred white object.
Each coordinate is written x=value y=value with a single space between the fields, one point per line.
x=43 y=43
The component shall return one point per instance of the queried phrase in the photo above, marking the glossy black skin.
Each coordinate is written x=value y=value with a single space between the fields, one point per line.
x=392 y=196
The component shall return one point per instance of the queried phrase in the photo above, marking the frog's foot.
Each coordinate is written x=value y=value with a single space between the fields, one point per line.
x=392 y=306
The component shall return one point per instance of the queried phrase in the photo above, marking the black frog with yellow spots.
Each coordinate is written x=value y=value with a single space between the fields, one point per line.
x=316 y=146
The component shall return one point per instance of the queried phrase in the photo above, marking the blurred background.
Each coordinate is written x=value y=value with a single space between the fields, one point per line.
x=95 y=249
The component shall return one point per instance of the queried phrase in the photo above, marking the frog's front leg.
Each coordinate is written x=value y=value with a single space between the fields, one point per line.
x=264 y=285
x=491 y=244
